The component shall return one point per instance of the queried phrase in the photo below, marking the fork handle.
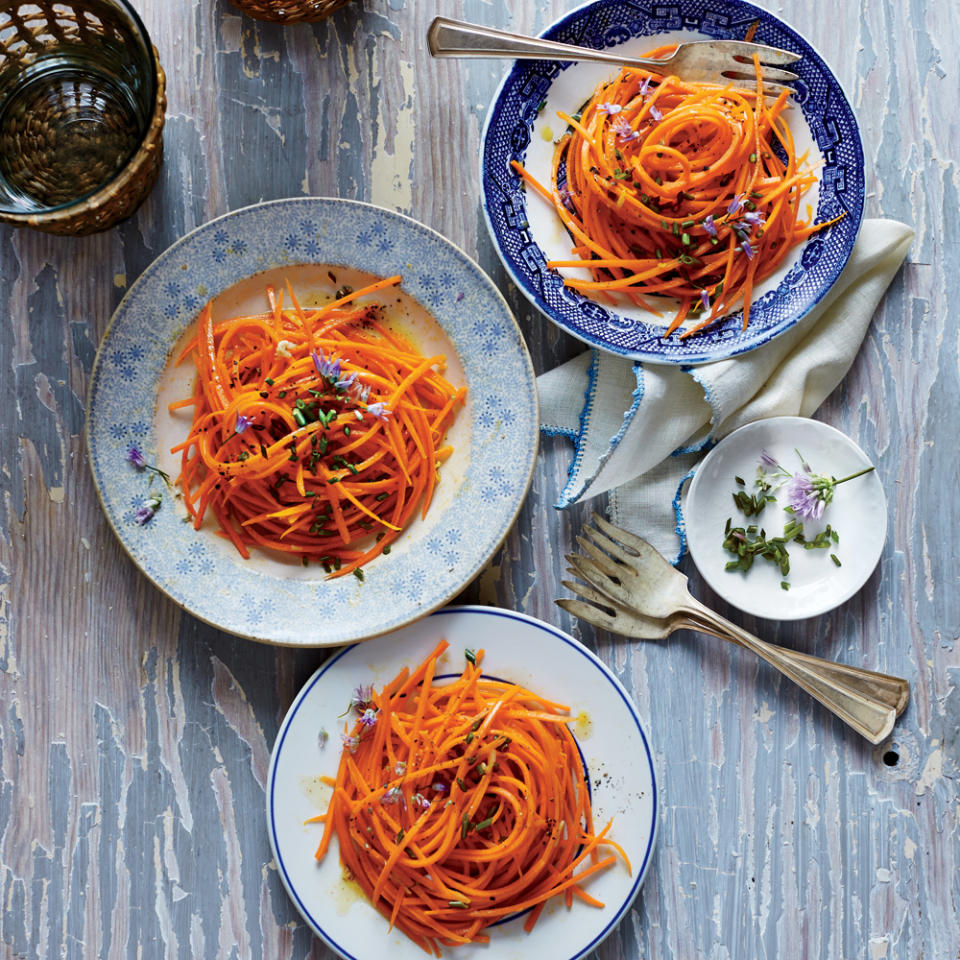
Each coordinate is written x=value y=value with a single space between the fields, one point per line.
x=867 y=701
x=455 y=38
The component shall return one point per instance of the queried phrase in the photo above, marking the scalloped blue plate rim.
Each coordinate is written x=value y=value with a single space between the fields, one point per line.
x=691 y=357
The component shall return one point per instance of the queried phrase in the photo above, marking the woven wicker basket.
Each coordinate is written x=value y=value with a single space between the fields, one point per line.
x=289 y=11
x=22 y=37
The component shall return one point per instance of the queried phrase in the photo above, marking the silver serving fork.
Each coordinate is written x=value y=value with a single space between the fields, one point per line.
x=634 y=591
x=712 y=61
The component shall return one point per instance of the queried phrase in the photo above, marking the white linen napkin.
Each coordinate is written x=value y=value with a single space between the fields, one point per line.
x=640 y=429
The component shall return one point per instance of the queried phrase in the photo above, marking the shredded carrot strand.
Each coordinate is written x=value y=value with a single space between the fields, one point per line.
x=462 y=803
x=314 y=433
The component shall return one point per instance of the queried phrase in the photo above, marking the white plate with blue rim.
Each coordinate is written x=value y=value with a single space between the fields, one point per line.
x=851 y=530
x=446 y=305
x=613 y=743
x=527 y=233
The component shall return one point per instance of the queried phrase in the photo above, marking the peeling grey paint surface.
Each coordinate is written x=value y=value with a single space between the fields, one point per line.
x=134 y=741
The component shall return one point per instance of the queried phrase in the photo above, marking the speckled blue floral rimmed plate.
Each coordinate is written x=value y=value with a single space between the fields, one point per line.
x=446 y=305
x=613 y=743
x=522 y=124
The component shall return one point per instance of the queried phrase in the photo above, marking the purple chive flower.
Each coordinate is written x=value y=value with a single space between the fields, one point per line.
x=747 y=249
x=709 y=225
x=242 y=423
x=379 y=409
x=753 y=217
x=460 y=296
x=655 y=113
x=368 y=718
x=400 y=768
x=611 y=109
x=736 y=205
x=326 y=366
x=644 y=87
x=351 y=743
x=135 y=457
x=323 y=737
x=566 y=198
x=439 y=787
x=705 y=299
x=624 y=131
x=807 y=498
x=362 y=695
x=144 y=514
x=345 y=383
x=766 y=460
x=393 y=795
x=419 y=800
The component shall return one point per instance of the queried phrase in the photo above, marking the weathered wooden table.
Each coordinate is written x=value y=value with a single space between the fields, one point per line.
x=134 y=740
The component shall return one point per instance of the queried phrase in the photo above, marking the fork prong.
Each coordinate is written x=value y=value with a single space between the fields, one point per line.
x=741 y=48
x=588 y=593
x=609 y=566
x=588 y=612
x=641 y=549
x=770 y=74
x=587 y=569
x=611 y=546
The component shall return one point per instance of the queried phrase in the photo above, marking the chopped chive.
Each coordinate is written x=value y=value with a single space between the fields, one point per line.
x=358 y=573
x=400 y=835
x=464 y=830
x=461 y=785
x=752 y=158
x=470 y=655
x=685 y=239
x=483 y=824
x=460 y=904
x=740 y=480
x=269 y=382
x=386 y=549
x=784 y=585
x=836 y=559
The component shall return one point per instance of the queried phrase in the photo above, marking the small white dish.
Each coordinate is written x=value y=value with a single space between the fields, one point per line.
x=858 y=513
x=611 y=737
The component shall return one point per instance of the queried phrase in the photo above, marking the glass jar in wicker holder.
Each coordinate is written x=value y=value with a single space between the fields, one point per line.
x=289 y=11
x=64 y=60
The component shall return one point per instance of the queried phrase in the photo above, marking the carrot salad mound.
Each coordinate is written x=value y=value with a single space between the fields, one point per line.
x=458 y=804
x=316 y=433
x=680 y=189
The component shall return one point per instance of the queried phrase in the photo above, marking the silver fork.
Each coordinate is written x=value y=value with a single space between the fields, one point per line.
x=701 y=60
x=634 y=591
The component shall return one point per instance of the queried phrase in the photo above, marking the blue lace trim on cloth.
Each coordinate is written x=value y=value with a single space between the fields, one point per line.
x=578 y=438
x=680 y=529
x=570 y=496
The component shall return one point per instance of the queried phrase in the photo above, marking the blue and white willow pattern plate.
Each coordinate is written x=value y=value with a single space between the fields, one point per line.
x=519 y=128
x=481 y=488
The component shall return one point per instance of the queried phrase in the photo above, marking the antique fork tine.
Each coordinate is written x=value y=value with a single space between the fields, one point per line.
x=623 y=620
x=702 y=60
x=643 y=574
x=646 y=585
